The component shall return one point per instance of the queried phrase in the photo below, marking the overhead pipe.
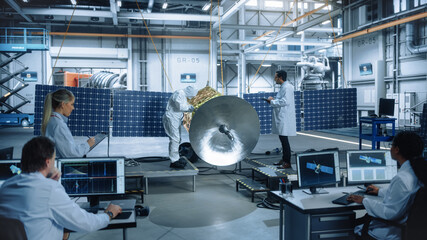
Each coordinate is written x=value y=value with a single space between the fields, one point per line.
x=382 y=26
x=410 y=40
x=124 y=35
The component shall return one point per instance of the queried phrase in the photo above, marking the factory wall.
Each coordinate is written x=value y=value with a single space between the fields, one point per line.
x=380 y=50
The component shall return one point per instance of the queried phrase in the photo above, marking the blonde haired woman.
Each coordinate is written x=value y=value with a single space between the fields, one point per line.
x=58 y=106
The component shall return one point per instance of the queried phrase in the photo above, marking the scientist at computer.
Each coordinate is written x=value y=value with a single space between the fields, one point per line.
x=172 y=120
x=41 y=203
x=406 y=149
x=54 y=124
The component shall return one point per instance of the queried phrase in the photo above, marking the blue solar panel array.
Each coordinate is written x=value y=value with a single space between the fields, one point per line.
x=326 y=109
x=139 y=114
x=91 y=113
x=264 y=110
x=315 y=110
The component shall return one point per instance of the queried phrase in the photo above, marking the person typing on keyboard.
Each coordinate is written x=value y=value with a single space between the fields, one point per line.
x=406 y=148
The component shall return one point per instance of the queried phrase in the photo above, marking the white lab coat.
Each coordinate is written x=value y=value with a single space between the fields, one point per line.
x=172 y=120
x=284 y=120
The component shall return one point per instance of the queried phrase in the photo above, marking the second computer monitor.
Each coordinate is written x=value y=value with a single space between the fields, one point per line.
x=8 y=169
x=92 y=176
x=370 y=166
x=317 y=169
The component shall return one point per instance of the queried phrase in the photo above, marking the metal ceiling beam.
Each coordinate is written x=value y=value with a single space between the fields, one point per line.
x=230 y=12
x=108 y=14
x=18 y=10
x=113 y=10
x=254 y=27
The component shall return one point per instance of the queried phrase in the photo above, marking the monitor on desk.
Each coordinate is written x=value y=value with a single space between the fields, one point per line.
x=8 y=169
x=316 y=169
x=386 y=107
x=370 y=166
x=6 y=153
x=93 y=177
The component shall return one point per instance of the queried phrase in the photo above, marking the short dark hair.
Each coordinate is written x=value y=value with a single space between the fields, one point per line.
x=409 y=143
x=35 y=153
x=282 y=74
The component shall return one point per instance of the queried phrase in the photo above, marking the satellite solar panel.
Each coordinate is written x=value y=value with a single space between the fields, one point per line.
x=139 y=114
x=91 y=113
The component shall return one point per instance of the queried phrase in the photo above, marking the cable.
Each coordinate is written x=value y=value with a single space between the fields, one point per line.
x=266 y=204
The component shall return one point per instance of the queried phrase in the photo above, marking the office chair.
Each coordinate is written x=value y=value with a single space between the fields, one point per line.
x=414 y=228
x=12 y=229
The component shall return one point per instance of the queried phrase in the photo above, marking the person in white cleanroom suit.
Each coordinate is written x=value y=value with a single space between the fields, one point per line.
x=172 y=120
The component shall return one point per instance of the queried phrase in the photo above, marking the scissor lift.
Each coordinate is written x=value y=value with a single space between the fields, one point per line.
x=14 y=43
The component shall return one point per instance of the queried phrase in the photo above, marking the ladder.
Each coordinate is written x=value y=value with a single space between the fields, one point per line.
x=14 y=43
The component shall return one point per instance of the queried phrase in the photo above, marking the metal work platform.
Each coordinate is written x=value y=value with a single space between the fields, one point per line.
x=161 y=169
x=23 y=39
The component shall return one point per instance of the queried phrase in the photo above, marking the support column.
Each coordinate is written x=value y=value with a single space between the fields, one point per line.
x=129 y=77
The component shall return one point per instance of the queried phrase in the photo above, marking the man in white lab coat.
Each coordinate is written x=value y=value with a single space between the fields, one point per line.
x=284 y=120
x=172 y=120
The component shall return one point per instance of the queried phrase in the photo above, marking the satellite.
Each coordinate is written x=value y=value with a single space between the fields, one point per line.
x=370 y=159
x=319 y=168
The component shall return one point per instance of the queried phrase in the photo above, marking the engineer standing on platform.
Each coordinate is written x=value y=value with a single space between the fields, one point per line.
x=172 y=121
x=284 y=120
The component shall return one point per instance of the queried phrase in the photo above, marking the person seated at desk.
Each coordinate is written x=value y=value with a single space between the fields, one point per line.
x=406 y=149
x=39 y=201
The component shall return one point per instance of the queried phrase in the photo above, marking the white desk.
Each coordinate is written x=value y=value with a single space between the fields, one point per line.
x=304 y=216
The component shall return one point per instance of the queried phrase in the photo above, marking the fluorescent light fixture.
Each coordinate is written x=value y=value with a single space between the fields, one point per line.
x=322 y=50
x=252 y=3
x=25 y=1
x=268 y=45
x=326 y=22
x=206 y=7
x=266 y=65
x=119 y=3
x=283 y=39
x=165 y=5
x=74 y=2
x=256 y=50
x=273 y=4
x=218 y=64
x=299 y=33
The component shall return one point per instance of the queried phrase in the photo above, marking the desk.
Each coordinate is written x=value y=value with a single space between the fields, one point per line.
x=315 y=216
x=118 y=223
x=375 y=136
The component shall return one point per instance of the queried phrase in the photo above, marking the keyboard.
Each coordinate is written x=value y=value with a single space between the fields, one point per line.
x=343 y=200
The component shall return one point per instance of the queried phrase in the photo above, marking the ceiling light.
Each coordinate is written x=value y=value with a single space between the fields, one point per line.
x=256 y=50
x=206 y=7
x=165 y=5
x=322 y=50
x=119 y=3
x=299 y=33
x=74 y=2
x=283 y=39
x=268 y=45
x=266 y=65
x=326 y=22
x=25 y=1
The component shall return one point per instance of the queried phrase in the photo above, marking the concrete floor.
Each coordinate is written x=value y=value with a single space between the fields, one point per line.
x=215 y=210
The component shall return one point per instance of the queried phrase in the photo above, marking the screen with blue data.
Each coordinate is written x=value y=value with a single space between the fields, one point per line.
x=8 y=169
x=318 y=168
x=92 y=176
x=370 y=166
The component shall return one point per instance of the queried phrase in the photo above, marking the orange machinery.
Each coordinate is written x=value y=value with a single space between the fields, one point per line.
x=70 y=79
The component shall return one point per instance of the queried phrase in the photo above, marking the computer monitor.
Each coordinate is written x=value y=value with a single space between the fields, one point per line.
x=386 y=107
x=8 y=169
x=93 y=177
x=370 y=166
x=317 y=169
x=6 y=153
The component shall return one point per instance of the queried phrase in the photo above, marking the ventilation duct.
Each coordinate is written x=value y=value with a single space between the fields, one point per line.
x=410 y=40
x=108 y=80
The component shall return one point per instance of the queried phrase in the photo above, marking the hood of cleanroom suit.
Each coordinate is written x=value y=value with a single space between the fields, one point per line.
x=175 y=109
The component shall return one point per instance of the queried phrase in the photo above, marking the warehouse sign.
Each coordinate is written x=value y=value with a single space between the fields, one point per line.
x=29 y=76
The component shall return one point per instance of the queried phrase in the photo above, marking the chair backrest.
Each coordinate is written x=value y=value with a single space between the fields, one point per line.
x=423 y=121
x=12 y=229
x=417 y=218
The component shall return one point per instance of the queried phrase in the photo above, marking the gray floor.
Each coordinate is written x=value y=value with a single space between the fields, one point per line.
x=215 y=210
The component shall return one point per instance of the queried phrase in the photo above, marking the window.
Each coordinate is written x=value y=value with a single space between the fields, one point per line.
x=273 y=4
